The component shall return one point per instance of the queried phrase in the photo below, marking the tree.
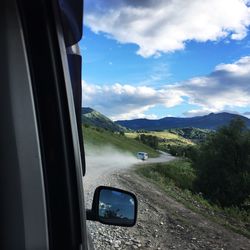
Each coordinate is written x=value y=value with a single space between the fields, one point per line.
x=223 y=165
x=122 y=133
x=150 y=140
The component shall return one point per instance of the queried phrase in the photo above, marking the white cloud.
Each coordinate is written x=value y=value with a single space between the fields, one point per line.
x=127 y=101
x=161 y=26
x=198 y=112
x=226 y=88
x=137 y=113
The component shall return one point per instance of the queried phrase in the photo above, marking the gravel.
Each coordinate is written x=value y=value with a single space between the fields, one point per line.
x=162 y=222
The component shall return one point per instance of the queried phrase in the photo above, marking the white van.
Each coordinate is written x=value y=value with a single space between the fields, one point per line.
x=142 y=155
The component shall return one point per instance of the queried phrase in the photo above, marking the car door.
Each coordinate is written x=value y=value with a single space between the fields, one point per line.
x=42 y=202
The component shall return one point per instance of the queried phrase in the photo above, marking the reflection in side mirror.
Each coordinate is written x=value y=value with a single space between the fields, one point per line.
x=114 y=206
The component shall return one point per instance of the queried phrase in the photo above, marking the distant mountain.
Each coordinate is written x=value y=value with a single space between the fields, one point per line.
x=94 y=118
x=211 y=121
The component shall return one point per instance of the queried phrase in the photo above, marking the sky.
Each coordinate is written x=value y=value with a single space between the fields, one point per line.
x=158 y=58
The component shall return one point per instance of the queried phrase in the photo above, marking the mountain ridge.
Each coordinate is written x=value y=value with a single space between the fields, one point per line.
x=211 y=121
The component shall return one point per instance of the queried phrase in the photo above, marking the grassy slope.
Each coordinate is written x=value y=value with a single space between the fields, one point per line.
x=162 y=135
x=102 y=137
x=169 y=138
x=191 y=133
x=176 y=179
x=97 y=119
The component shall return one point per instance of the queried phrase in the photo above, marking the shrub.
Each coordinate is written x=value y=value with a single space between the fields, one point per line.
x=223 y=165
x=149 y=140
x=189 y=151
x=122 y=133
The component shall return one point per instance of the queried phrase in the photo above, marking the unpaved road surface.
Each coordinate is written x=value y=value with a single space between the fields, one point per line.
x=162 y=223
x=164 y=157
x=101 y=164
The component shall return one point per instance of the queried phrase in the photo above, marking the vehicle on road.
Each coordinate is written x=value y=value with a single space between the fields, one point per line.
x=142 y=155
x=41 y=152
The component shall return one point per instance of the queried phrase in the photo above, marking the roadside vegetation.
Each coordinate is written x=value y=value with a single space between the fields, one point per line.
x=95 y=136
x=177 y=178
x=168 y=140
x=213 y=178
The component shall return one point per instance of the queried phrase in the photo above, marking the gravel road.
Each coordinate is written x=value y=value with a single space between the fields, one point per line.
x=164 y=157
x=101 y=163
x=162 y=223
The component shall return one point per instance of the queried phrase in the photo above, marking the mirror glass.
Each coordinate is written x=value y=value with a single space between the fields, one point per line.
x=116 y=207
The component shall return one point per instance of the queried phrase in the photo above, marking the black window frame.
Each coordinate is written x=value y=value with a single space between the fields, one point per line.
x=40 y=29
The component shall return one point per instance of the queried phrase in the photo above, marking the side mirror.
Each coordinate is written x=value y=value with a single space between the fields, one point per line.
x=113 y=206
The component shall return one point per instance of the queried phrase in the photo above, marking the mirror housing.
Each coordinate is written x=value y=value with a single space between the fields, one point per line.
x=113 y=206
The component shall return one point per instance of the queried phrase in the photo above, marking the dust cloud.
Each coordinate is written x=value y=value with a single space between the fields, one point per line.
x=103 y=160
x=108 y=157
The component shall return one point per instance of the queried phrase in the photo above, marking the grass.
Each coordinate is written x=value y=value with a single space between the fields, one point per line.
x=161 y=135
x=176 y=179
x=166 y=139
x=179 y=172
x=100 y=137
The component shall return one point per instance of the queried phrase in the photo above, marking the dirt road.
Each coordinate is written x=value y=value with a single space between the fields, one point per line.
x=102 y=163
x=164 y=157
x=162 y=223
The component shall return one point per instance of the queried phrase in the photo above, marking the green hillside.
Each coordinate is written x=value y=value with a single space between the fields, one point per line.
x=100 y=137
x=194 y=134
x=94 y=118
x=165 y=138
x=169 y=142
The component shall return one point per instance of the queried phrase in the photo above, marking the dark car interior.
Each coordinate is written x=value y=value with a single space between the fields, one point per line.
x=41 y=151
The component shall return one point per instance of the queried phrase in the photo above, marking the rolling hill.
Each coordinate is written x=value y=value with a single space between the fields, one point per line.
x=94 y=118
x=211 y=121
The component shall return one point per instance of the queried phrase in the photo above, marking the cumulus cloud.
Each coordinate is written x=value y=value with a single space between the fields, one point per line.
x=226 y=88
x=199 y=112
x=161 y=26
x=126 y=101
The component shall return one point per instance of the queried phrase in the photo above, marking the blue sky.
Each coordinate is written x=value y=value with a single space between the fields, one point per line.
x=151 y=59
